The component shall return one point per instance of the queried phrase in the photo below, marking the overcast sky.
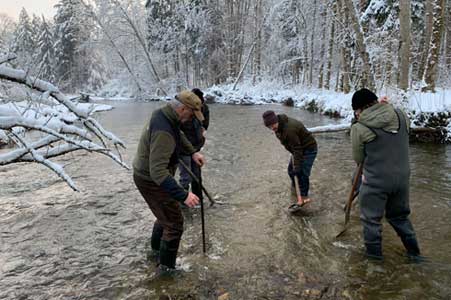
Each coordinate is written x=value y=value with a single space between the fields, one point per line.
x=38 y=7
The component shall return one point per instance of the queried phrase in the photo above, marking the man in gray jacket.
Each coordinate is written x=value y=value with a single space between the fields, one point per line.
x=380 y=140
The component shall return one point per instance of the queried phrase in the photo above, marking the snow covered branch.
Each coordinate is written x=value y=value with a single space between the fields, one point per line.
x=50 y=125
x=330 y=128
x=7 y=58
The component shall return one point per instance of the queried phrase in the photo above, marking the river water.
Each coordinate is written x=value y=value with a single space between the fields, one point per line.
x=58 y=244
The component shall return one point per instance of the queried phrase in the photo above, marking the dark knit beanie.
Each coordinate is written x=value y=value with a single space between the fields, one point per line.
x=199 y=94
x=269 y=118
x=362 y=98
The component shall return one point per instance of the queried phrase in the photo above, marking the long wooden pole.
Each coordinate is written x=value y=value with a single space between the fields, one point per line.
x=296 y=181
x=202 y=215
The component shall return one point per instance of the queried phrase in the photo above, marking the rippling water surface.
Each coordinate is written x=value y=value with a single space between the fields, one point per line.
x=57 y=244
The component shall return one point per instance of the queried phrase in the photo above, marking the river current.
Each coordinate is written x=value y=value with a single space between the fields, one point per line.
x=59 y=244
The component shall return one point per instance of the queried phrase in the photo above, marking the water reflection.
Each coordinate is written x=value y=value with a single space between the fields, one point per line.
x=56 y=244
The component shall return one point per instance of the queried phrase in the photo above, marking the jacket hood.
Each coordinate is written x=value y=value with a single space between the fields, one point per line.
x=379 y=116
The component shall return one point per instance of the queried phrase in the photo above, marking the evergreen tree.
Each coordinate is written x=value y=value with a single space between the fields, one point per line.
x=96 y=78
x=45 y=53
x=72 y=34
x=163 y=25
x=65 y=37
x=23 y=44
x=35 y=29
x=7 y=28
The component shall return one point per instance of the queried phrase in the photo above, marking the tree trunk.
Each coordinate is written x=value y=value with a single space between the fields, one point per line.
x=312 y=43
x=345 y=55
x=430 y=74
x=113 y=44
x=404 y=53
x=448 y=37
x=305 y=65
x=244 y=66
x=142 y=42
x=389 y=63
x=258 y=45
x=330 y=50
x=426 y=39
x=323 y=46
x=367 y=76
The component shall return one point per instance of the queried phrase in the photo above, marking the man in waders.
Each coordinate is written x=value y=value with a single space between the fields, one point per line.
x=380 y=140
x=301 y=144
x=195 y=132
x=153 y=172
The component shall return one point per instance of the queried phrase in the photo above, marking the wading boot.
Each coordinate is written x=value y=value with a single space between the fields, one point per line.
x=155 y=240
x=413 y=250
x=374 y=251
x=168 y=256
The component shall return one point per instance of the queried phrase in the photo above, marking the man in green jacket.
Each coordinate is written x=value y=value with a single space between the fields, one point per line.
x=300 y=143
x=380 y=140
x=154 y=166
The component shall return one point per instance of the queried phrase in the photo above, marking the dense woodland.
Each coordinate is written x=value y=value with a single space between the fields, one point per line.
x=156 y=47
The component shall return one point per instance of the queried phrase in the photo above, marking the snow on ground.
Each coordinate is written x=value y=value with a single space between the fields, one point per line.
x=326 y=101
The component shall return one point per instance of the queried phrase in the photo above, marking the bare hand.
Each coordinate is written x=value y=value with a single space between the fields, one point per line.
x=204 y=133
x=192 y=200
x=198 y=158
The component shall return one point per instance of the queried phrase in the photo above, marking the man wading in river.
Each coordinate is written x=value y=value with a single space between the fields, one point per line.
x=195 y=132
x=301 y=144
x=153 y=172
x=380 y=140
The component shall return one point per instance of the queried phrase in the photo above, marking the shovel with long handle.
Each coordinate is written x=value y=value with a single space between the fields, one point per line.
x=352 y=196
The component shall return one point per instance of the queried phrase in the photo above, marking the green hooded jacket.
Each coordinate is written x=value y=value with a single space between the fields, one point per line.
x=382 y=116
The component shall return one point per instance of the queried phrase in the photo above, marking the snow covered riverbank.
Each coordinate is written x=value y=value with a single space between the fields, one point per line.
x=425 y=109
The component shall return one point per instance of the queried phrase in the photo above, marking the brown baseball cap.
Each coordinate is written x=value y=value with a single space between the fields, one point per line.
x=190 y=100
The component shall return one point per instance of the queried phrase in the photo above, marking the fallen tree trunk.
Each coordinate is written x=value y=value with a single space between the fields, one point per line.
x=417 y=134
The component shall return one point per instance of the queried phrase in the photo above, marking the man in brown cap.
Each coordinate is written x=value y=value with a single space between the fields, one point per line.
x=301 y=144
x=153 y=172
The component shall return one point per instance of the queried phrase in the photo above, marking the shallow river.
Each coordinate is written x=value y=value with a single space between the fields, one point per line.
x=58 y=244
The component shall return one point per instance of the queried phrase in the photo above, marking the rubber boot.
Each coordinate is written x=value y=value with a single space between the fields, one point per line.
x=155 y=240
x=413 y=250
x=168 y=254
x=374 y=251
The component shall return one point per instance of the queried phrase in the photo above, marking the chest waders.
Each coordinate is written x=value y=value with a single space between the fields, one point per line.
x=386 y=189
